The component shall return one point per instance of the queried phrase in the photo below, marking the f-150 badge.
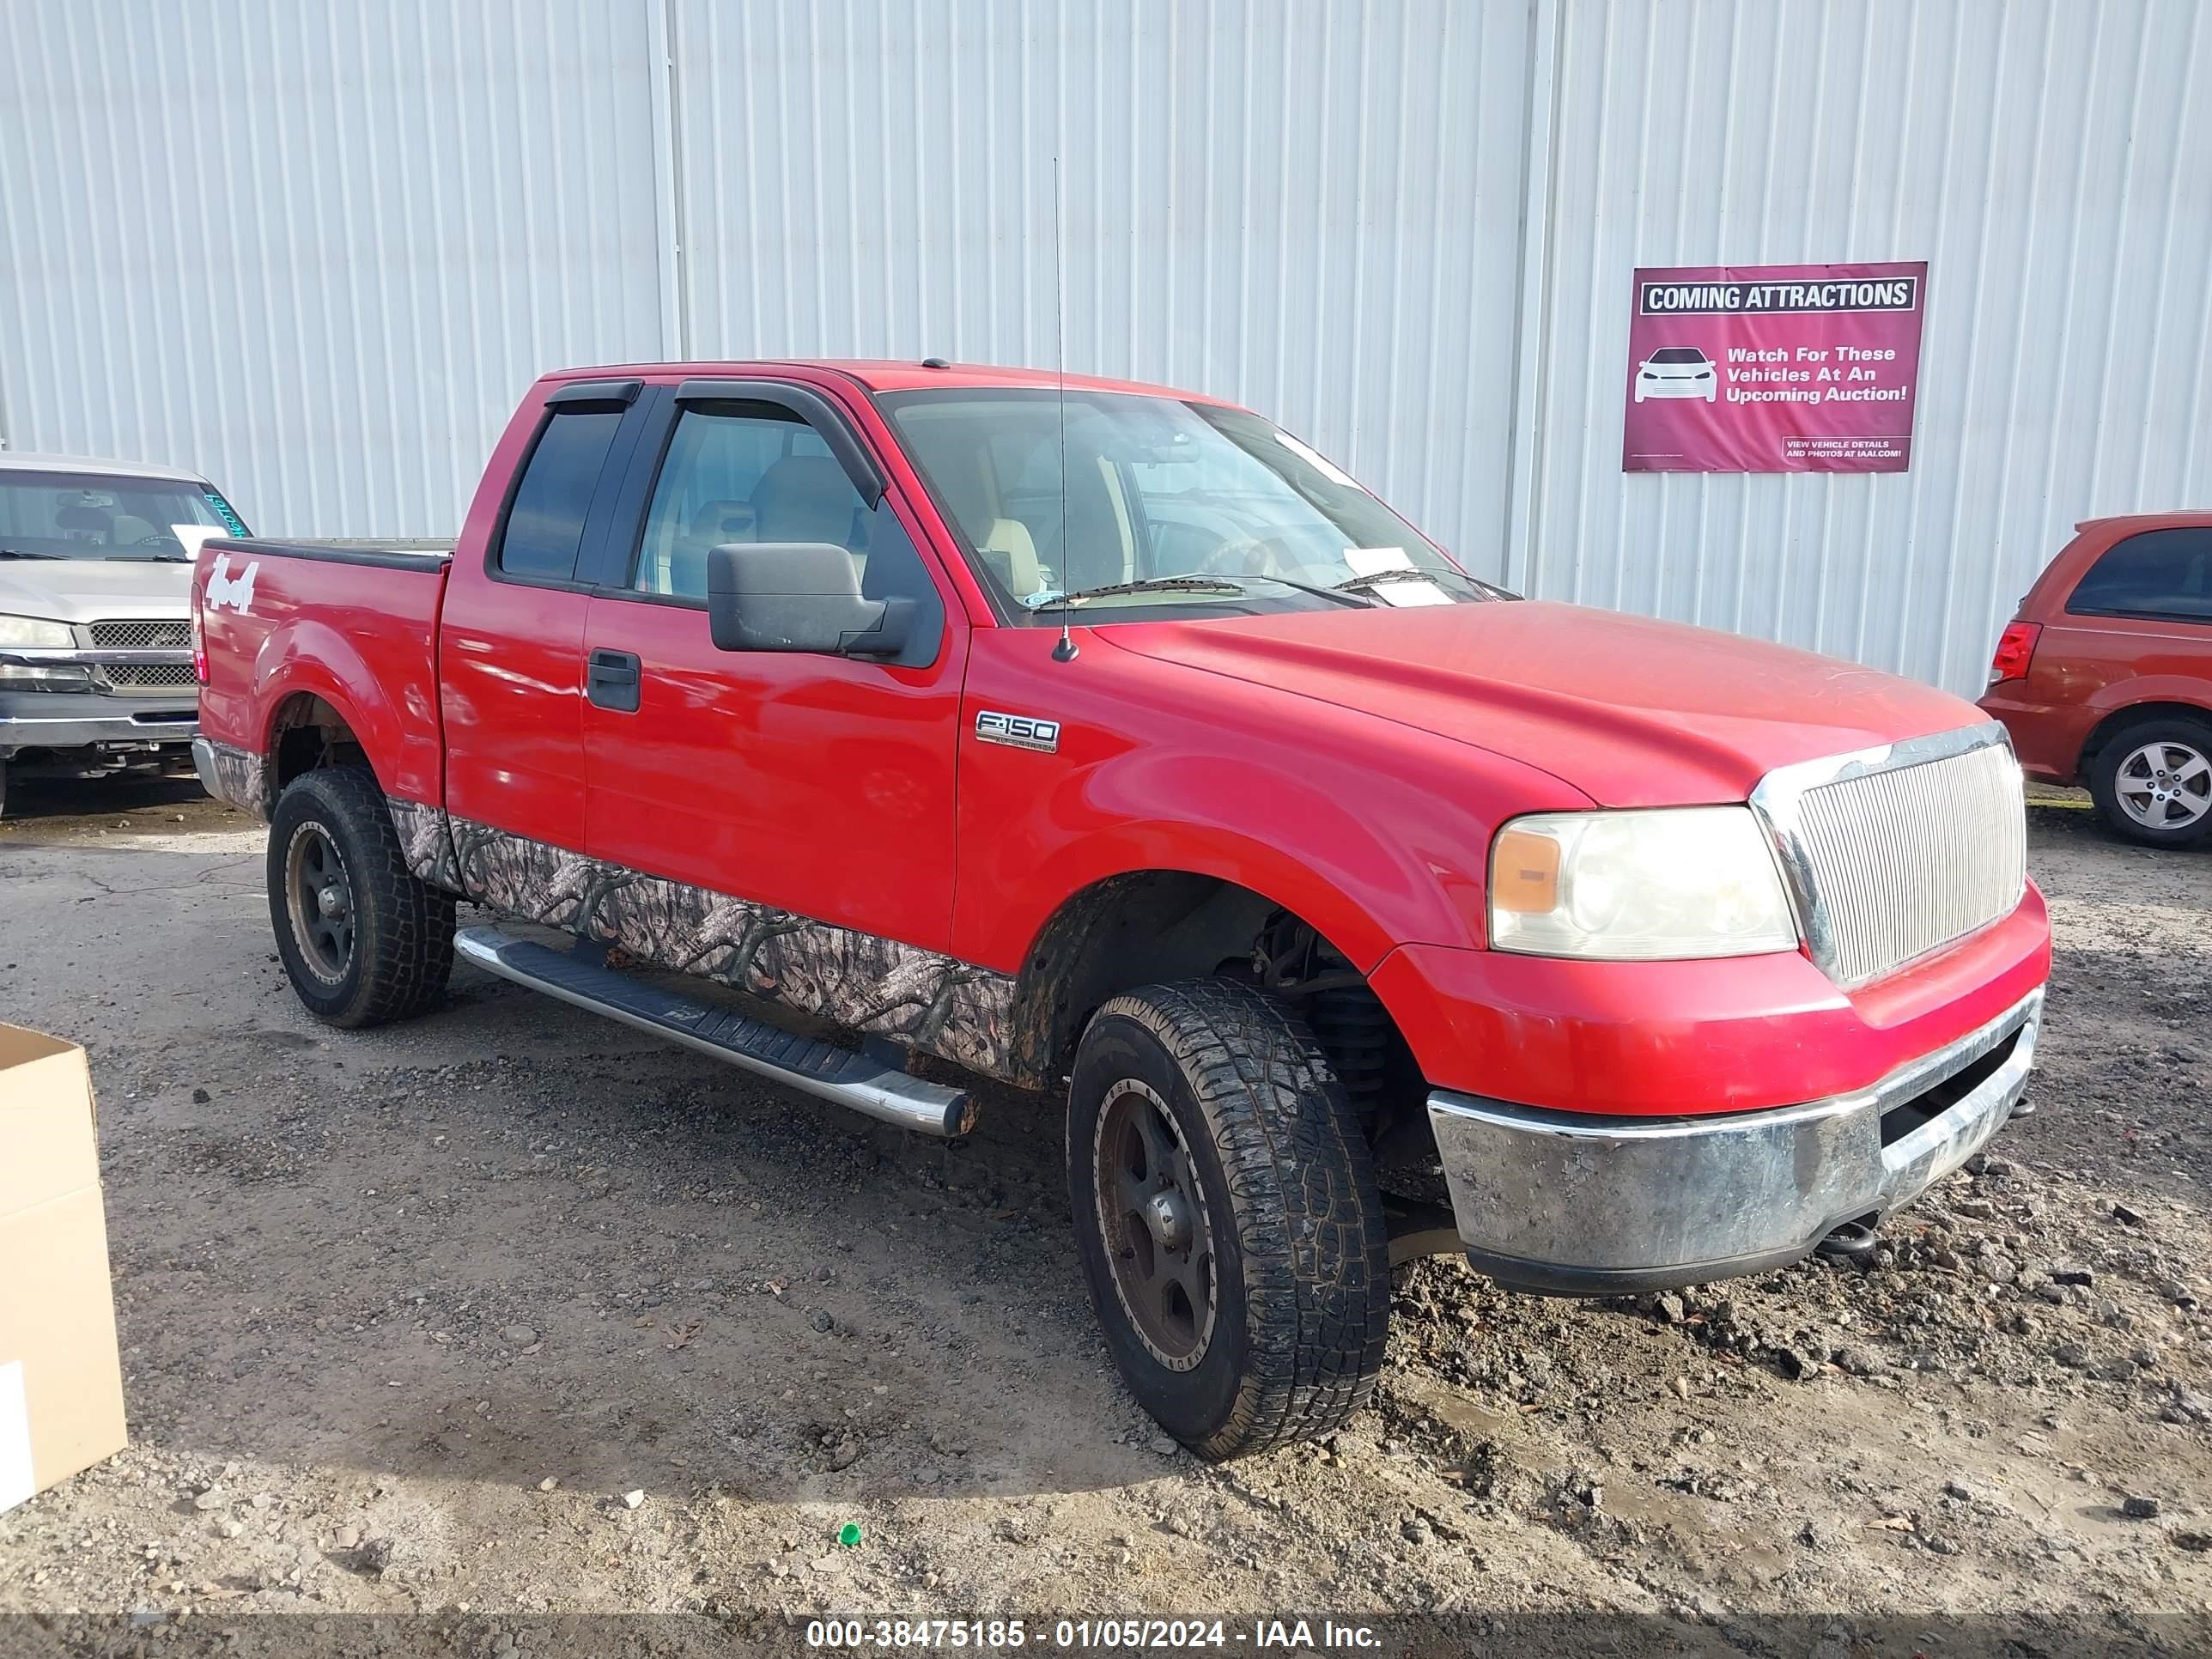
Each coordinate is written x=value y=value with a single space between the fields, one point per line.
x=225 y=589
x=1018 y=732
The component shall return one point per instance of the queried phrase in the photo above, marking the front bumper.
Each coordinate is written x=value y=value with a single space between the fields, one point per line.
x=69 y=720
x=1578 y=1204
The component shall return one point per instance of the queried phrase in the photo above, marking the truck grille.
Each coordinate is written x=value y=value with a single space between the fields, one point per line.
x=1898 y=853
x=144 y=637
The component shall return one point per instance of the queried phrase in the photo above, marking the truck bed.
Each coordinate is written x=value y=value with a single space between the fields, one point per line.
x=353 y=621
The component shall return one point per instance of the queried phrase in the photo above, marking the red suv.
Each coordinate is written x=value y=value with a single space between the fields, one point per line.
x=2105 y=678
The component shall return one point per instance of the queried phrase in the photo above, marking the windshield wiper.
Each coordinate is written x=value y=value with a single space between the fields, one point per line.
x=1148 y=585
x=28 y=553
x=1411 y=574
x=1222 y=583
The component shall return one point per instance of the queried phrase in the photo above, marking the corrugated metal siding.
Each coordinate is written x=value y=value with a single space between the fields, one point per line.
x=318 y=246
x=2052 y=161
x=316 y=250
x=1312 y=208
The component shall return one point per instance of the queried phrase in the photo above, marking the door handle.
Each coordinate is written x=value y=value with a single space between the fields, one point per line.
x=610 y=680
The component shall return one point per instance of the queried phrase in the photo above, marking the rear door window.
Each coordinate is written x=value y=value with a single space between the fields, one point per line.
x=545 y=523
x=2165 y=574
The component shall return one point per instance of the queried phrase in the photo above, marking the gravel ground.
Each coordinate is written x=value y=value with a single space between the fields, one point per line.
x=511 y=1316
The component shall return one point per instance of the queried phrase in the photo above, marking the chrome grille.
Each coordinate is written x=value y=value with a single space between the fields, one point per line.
x=144 y=637
x=1898 y=852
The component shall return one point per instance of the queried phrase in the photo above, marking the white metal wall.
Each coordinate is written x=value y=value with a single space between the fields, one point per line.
x=1310 y=208
x=318 y=247
x=2052 y=160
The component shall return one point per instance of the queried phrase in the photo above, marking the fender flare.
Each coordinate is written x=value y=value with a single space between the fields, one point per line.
x=307 y=656
x=1116 y=858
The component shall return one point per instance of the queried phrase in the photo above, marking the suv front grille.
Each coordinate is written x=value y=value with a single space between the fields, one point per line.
x=144 y=636
x=1896 y=852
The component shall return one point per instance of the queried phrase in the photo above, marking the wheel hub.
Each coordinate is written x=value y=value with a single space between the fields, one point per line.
x=1169 y=1217
x=331 y=900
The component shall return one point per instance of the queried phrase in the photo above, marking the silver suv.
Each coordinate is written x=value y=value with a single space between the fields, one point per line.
x=95 y=639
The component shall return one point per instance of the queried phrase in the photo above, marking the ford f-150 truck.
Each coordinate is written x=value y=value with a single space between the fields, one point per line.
x=874 y=726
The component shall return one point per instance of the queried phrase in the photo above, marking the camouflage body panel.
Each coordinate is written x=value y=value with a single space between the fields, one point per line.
x=918 y=999
x=241 y=778
x=425 y=843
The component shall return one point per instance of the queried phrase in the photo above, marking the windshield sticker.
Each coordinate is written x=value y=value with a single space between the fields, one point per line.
x=232 y=522
x=1372 y=560
x=1411 y=593
x=191 y=536
x=225 y=589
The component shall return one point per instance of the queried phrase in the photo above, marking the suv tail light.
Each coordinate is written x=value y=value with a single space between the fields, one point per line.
x=199 y=640
x=2015 y=650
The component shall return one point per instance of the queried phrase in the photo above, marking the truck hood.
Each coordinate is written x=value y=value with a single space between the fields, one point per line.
x=94 y=590
x=1630 y=711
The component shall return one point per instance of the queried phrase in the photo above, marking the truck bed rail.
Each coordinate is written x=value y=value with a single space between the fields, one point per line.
x=400 y=553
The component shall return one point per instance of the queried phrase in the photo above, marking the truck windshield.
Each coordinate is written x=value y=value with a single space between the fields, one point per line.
x=93 y=515
x=1157 y=490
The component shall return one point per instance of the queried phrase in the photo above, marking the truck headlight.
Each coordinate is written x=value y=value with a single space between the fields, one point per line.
x=30 y=632
x=1675 y=883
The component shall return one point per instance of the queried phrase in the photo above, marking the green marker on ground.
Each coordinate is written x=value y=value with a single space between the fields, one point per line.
x=848 y=1534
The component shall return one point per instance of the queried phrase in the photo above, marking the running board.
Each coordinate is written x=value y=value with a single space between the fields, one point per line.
x=816 y=1068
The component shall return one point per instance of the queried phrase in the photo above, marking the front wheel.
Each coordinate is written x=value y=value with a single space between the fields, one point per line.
x=1227 y=1217
x=2153 y=781
x=362 y=939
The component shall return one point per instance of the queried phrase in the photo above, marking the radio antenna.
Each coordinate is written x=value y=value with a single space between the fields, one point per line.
x=1066 y=650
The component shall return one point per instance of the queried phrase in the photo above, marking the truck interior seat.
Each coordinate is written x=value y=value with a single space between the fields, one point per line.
x=715 y=523
x=1011 y=555
x=93 y=522
x=805 y=498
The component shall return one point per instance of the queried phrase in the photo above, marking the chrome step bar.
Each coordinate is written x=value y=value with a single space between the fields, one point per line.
x=818 y=1068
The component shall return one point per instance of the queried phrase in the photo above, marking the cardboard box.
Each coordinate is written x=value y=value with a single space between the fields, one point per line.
x=61 y=1383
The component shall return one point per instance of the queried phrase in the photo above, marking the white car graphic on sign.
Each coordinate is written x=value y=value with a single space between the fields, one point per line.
x=1676 y=371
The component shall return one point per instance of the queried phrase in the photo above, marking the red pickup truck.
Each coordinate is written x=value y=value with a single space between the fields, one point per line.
x=875 y=726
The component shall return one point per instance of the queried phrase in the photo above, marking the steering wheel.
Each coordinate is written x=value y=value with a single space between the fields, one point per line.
x=1245 y=556
x=157 y=540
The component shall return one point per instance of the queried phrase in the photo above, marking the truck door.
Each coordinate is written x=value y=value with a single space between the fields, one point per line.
x=511 y=633
x=818 y=785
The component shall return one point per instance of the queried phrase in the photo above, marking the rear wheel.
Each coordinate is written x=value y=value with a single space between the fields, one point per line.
x=2153 y=781
x=1227 y=1217
x=363 y=940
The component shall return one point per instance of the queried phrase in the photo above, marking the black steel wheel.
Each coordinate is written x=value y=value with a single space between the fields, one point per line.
x=1227 y=1217
x=1158 y=1234
x=362 y=939
x=319 y=900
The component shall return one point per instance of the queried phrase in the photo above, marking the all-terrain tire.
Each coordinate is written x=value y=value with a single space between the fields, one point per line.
x=2178 y=736
x=1286 y=1203
x=400 y=949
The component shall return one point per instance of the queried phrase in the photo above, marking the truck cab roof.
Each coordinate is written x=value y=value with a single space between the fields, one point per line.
x=894 y=374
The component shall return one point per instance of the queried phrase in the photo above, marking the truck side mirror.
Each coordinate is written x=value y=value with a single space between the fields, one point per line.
x=798 y=596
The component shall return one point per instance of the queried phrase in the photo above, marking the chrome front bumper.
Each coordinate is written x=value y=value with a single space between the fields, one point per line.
x=85 y=724
x=1582 y=1205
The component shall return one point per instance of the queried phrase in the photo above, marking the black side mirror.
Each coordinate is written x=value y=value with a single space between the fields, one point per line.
x=798 y=596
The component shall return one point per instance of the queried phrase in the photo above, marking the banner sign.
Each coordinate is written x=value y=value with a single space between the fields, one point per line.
x=1773 y=368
